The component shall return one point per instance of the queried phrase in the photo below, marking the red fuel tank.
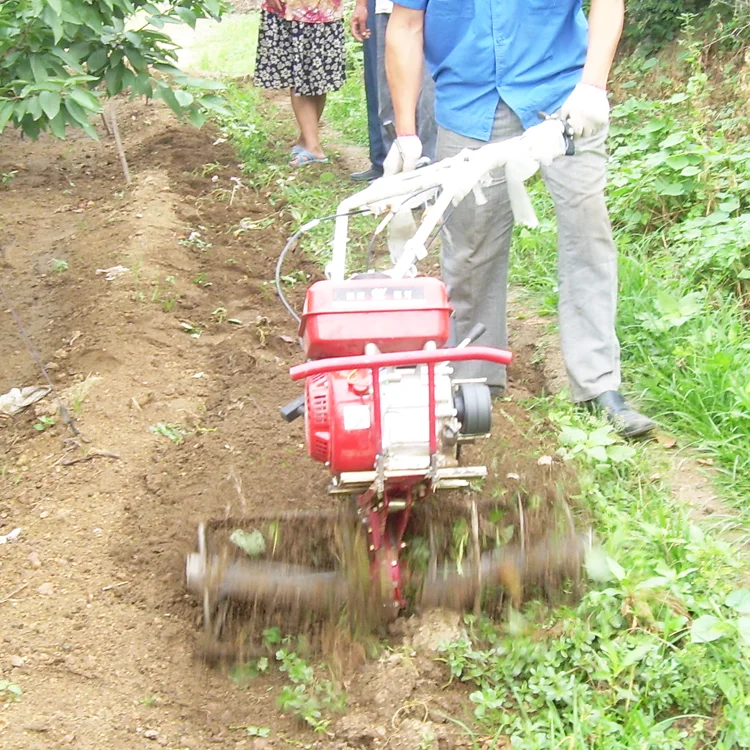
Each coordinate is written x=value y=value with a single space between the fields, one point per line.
x=340 y=317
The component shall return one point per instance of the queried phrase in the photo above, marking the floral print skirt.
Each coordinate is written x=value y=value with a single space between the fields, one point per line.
x=306 y=57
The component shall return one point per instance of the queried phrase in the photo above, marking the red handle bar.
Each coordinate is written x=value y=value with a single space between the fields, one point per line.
x=398 y=359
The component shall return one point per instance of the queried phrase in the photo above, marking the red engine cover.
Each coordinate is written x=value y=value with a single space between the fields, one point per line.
x=397 y=315
x=339 y=419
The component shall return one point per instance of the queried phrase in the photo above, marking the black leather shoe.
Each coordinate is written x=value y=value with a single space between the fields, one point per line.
x=628 y=423
x=368 y=175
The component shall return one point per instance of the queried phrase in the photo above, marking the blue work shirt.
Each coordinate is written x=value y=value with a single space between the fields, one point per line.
x=529 y=53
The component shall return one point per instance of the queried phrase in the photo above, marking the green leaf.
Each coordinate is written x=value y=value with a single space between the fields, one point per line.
x=30 y=127
x=185 y=98
x=56 y=5
x=739 y=601
x=87 y=99
x=198 y=83
x=673 y=140
x=677 y=162
x=620 y=453
x=616 y=569
x=672 y=188
x=6 y=112
x=251 y=543
x=187 y=16
x=142 y=85
x=213 y=7
x=654 y=126
x=68 y=57
x=598 y=453
x=98 y=59
x=602 y=436
x=55 y=23
x=690 y=171
x=638 y=654
x=572 y=435
x=137 y=60
x=34 y=107
x=196 y=117
x=214 y=104
x=113 y=79
x=78 y=113
x=57 y=125
x=707 y=629
x=38 y=67
x=50 y=101
x=167 y=95
x=743 y=628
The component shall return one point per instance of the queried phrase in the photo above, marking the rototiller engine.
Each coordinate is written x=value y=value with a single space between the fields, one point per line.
x=382 y=409
x=385 y=413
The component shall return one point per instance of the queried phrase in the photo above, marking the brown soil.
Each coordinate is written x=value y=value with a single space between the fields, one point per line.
x=96 y=626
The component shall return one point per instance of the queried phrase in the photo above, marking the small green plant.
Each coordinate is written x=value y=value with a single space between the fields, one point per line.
x=175 y=432
x=10 y=692
x=7 y=177
x=44 y=422
x=202 y=280
x=58 y=265
x=149 y=700
x=308 y=696
x=600 y=445
x=193 y=330
x=195 y=240
x=259 y=731
x=243 y=674
x=208 y=169
x=247 y=225
x=168 y=303
x=294 y=278
x=219 y=315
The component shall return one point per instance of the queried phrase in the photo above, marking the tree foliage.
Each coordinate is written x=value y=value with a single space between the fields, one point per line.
x=659 y=21
x=59 y=58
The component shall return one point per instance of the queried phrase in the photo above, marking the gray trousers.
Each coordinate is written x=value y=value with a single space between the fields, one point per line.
x=426 y=126
x=476 y=245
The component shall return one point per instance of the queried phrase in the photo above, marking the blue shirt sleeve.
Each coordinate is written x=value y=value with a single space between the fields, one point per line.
x=413 y=4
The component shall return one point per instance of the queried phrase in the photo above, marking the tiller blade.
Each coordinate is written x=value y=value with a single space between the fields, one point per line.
x=359 y=566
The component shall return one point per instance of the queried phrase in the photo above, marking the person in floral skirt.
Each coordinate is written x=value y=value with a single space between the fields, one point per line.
x=301 y=47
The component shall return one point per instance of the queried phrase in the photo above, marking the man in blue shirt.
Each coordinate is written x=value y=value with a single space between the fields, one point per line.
x=497 y=64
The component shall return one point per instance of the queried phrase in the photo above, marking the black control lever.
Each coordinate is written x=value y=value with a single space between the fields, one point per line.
x=294 y=409
x=474 y=334
x=570 y=146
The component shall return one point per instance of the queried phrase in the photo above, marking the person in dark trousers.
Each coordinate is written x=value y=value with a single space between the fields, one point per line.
x=368 y=24
x=363 y=29
x=497 y=64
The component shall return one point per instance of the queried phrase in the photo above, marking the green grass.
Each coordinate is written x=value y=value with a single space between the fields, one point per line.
x=679 y=199
x=227 y=49
x=654 y=655
x=346 y=109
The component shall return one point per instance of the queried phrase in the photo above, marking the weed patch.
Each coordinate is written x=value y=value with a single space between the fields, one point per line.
x=650 y=657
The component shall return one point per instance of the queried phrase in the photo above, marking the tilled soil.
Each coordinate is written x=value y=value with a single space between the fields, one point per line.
x=95 y=625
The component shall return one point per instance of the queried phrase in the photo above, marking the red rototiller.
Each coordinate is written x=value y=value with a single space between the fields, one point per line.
x=385 y=414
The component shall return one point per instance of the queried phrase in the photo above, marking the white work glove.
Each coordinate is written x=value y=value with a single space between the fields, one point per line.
x=545 y=141
x=403 y=155
x=587 y=110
